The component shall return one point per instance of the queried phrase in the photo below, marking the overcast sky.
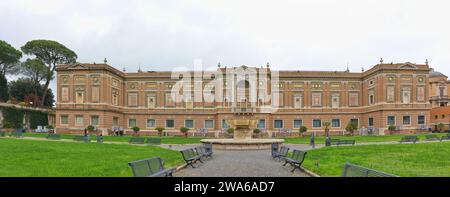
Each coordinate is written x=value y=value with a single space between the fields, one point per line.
x=299 y=35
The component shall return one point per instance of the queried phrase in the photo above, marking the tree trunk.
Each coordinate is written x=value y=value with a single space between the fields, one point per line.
x=44 y=94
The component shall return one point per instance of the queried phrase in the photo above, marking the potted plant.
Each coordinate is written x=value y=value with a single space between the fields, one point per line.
x=160 y=130
x=302 y=130
x=184 y=130
x=136 y=130
x=391 y=129
x=351 y=128
x=230 y=130
x=327 y=128
x=441 y=127
x=256 y=132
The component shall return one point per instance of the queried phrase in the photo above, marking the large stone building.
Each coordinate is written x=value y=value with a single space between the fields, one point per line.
x=386 y=94
x=440 y=101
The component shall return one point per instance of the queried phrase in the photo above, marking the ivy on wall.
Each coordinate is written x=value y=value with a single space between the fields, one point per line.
x=37 y=118
x=13 y=118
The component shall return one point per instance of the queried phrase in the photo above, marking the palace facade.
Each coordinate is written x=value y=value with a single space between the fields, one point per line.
x=387 y=94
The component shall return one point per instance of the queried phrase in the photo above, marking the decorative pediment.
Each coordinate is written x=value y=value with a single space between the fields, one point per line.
x=408 y=65
x=77 y=67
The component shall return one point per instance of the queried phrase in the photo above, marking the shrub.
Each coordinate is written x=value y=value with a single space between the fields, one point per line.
x=230 y=130
x=160 y=130
x=392 y=128
x=302 y=130
x=136 y=129
x=184 y=130
x=351 y=128
x=256 y=131
x=90 y=128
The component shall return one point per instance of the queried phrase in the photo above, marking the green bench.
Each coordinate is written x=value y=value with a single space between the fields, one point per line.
x=410 y=138
x=153 y=167
x=99 y=139
x=2 y=134
x=81 y=138
x=431 y=137
x=16 y=134
x=352 y=170
x=136 y=140
x=52 y=136
x=338 y=142
x=445 y=137
x=153 y=141
x=191 y=156
x=295 y=159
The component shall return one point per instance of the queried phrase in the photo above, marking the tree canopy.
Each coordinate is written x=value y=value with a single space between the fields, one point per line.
x=50 y=53
x=23 y=90
x=35 y=69
x=9 y=58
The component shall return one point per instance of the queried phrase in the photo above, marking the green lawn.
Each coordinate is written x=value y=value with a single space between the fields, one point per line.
x=425 y=159
x=381 y=138
x=21 y=157
x=164 y=140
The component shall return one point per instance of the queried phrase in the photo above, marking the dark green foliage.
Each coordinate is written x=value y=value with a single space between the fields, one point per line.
x=256 y=131
x=13 y=117
x=9 y=58
x=37 y=118
x=24 y=87
x=4 y=94
x=230 y=130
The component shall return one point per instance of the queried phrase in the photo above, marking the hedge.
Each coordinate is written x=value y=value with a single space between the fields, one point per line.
x=13 y=118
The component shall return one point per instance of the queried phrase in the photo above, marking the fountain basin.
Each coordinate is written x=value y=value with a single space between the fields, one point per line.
x=242 y=144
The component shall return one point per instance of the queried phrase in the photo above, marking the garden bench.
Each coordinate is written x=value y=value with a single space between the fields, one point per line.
x=99 y=139
x=282 y=153
x=81 y=138
x=17 y=134
x=339 y=142
x=152 y=167
x=411 y=138
x=208 y=148
x=153 y=141
x=296 y=159
x=351 y=170
x=201 y=150
x=275 y=148
x=432 y=137
x=445 y=137
x=191 y=157
x=52 y=136
x=136 y=140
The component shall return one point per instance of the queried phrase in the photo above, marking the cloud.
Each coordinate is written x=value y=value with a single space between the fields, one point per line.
x=309 y=35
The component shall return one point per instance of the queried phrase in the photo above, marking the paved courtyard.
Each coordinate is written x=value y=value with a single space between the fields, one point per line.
x=249 y=163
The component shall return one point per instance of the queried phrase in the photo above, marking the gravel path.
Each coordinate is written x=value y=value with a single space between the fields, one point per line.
x=249 y=163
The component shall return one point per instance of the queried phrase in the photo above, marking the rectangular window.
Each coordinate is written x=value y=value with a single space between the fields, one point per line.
x=170 y=123
x=189 y=124
x=94 y=120
x=115 y=121
x=95 y=94
x=79 y=97
x=298 y=124
x=79 y=120
x=391 y=120
x=316 y=99
x=370 y=122
x=317 y=123
x=151 y=123
x=225 y=124
x=336 y=123
x=64 y=119
x=132 y=99
x=406 y=120
x=261 y=124
x=278 y=124
x=355 y=122
x=209 y=124
x=132 y=123
x=65 y=94
x=421 y=120
x=353 y=99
